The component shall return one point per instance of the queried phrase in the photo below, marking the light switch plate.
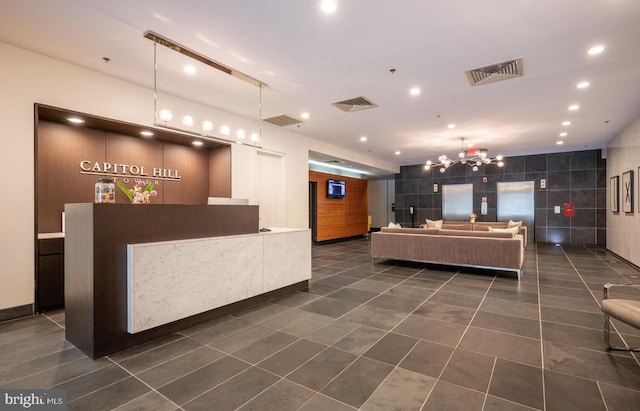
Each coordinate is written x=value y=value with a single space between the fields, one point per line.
x=543 y=183
x=556 y=209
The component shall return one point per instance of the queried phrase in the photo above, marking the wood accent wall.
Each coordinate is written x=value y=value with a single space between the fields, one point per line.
x=340 y=218
x=220 y=172
x=60 y=148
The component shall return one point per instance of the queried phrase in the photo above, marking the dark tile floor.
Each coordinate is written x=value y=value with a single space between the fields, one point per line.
x=381 y=336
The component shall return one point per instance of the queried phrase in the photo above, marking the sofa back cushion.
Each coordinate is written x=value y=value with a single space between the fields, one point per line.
x=484 y=225
x=466 y=233
x=457 y=225
x=432 y=231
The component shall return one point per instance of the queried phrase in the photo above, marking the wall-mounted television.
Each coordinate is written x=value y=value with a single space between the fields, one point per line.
x=335 y=188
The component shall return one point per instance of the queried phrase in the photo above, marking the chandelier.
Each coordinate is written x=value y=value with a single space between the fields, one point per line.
x=474 y=158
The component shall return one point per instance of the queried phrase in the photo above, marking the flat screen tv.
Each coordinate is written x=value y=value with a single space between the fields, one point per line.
x=335 y=188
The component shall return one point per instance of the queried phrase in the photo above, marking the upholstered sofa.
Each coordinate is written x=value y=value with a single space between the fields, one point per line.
x=479 y=226
x=468 y=248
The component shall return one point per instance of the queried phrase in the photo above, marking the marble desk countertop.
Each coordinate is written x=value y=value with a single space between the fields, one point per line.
x=46 y=236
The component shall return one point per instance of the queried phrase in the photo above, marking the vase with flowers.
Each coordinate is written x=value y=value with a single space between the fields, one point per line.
x=141 y=192
x=472 y=217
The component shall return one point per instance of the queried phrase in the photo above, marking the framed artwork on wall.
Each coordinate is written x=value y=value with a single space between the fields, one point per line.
x=627 y=191
x=614 y=185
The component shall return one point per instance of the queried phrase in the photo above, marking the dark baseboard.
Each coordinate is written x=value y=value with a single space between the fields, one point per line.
x=16 y=312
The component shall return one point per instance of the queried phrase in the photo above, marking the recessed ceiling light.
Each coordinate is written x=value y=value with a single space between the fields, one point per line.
x=563 y=134
x=595 y=50
x=574 y=107
x=363 y=138
x=566 y=123
x=75 y=120
x=414 y=91
x=189 y=69
x=559 y=142
x=197 y=143
x=305 y=116
x=582 y=84
x=397 y=153
x=328 y=6
x=146 y=133
x=451 y=125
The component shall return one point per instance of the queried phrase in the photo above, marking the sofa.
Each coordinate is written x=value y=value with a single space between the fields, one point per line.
x=468 y=248
x=480 y=226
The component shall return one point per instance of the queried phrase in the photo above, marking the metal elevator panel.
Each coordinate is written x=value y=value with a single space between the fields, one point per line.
x=457 y=201
x=516 y=201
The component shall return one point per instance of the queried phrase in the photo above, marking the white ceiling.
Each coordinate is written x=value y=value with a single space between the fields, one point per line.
x=310 y=60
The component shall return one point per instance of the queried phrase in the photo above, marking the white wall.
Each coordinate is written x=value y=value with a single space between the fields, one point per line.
x=623 y=229
x=27 y=78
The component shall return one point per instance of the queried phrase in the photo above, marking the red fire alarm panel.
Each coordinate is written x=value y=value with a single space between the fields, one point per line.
x=569 y=210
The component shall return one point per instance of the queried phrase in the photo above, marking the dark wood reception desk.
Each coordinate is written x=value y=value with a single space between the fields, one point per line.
x=131 y=275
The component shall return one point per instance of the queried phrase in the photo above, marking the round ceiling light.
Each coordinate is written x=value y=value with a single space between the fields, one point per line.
x=582 y=84
x=414 y=91
x=595 y=50
x=363 y=138
x=328 y=6
x=574 y=107
x=75 y=120
x=566 y=123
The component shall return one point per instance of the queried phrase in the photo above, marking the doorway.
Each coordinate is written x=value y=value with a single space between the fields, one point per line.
x=516 y=201
x=313 y=206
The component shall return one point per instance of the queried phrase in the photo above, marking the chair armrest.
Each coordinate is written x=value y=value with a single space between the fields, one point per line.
x=607 y=286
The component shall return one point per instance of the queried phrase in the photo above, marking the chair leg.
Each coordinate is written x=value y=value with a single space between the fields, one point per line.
x=607 y=331
x=607 y=337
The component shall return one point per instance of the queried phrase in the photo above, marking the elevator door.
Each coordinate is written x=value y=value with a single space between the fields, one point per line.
x=516 y=202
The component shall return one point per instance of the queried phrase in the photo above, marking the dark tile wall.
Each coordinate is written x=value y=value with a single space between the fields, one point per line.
x=577 y=177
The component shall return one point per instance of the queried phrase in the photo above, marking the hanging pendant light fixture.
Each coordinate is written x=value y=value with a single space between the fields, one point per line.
x=474 y=158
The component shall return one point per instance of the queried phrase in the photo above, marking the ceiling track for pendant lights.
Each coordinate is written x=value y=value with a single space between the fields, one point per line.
x=164 y=41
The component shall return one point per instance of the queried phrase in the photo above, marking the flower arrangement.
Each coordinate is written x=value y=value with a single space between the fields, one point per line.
x=141 y=192
x=472 y=217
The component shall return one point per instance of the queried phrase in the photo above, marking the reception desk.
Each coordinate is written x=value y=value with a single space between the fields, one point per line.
x=134 y=273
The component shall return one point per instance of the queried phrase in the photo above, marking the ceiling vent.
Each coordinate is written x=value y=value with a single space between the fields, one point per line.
x=495 y=72
x=354 y=104
x=282 y=120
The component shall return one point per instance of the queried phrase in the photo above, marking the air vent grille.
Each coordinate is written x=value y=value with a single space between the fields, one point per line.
x=282 y=120
x=495 y=72
x=354 y=104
